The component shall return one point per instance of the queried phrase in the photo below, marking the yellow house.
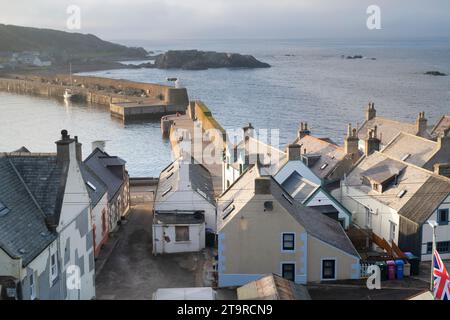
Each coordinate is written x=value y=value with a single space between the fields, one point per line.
x=262 y=230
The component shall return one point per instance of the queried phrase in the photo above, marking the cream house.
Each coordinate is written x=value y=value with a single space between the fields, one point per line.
x=262 y=229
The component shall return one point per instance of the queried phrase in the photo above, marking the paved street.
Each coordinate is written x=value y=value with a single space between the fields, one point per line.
x=132 y=272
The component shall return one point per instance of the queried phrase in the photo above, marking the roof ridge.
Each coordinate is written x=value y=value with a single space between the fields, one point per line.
x=323 y=141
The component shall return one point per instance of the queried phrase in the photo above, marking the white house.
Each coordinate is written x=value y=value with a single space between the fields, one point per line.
x=306 y=187
x=178 y=231
x=395 y=199
x=48 y=231
x=185 y=185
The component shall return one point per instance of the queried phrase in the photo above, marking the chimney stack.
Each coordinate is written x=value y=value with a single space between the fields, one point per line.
x=79 y=150
x=351 y=142
x=442 y=169
x=262 y=185
x=372 y=143
x=304 y=131
x=371 y=112
x=444 y=140
x=294 y=152
x=63 y=147
x=100 y=144
x=421 y=123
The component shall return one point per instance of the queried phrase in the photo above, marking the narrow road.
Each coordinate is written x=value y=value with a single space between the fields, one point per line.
x=132 y=272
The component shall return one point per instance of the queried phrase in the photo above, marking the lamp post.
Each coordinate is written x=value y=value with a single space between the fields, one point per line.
x=433 y=224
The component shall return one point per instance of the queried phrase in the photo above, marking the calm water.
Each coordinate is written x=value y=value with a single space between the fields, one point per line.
x=308 y=81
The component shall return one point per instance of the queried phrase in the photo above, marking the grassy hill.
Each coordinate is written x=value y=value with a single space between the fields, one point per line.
x=62 y=45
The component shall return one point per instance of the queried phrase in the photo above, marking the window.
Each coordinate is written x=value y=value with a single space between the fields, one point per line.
x=324 y=166
x=53 y=267
x=441 y=247
x=228 y=211
x=181 y=233
x=288 y=241
x=104 y=226
x=91 y=185
x=443 y=217
x=393 y=226
x=167 y=191
x=288 y=271
x=329 y=269
x=241 y=168
x=32 y=287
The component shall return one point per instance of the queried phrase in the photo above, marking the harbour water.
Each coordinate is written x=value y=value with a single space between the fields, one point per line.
x=309 y=81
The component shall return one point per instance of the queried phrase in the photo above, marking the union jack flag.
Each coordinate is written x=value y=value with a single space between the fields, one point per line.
x=441 y=279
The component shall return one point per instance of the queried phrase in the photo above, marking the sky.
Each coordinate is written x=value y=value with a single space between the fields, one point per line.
x=230 y=19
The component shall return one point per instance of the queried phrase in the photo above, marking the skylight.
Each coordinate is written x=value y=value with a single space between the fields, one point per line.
x=406 y=156
x=401 y=193
x=90 y=185
x=3 y=210
x=324 y=166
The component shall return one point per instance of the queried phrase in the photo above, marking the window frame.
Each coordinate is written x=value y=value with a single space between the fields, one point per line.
x=283 y=264
x=53 y=267
x=176 y=234
x=283 y=240
x=392 y=231
x=322 y=264
x=32 y=281
x=440 y=221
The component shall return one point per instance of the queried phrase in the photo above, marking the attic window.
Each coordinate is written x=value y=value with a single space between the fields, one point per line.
x=287 y=198
x=3 y=210
x=227 y=212
x=401 y=193
x=324 y=166
x=167 y=191
x=406 y=156
x=90 y=185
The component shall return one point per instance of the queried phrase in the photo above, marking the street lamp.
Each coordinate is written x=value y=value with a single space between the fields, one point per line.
x=433 y=224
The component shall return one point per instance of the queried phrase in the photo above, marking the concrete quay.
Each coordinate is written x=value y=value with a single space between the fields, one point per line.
x=127 y=100
x=199 y=135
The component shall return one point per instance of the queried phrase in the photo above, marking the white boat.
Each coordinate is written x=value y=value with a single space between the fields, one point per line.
x=67 y=94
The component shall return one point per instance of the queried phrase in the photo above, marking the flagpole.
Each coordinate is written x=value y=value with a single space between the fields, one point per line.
x=433 y=224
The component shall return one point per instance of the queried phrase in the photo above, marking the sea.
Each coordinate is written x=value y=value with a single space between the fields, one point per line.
x=309 y=81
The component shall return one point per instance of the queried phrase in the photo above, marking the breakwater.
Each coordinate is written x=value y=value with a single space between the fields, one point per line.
x=128 y=100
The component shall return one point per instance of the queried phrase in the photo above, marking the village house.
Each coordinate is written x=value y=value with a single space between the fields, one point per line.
x=425 y=153
x=46 y=235
x=441 y=125
x=306 y=188
x=238 y=157
x=112 y=172
x=98 y=195
x=324 y=158
x=395 y=198
x=263 y=230
x=185 y=207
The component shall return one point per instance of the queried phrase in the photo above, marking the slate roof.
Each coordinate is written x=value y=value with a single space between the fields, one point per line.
x=273 y=287
x=420 y=150
x=90 y=177
x=23 y=231
x=440 y=126
x=197 y=178
x=329 y=155
x=44 y=178
x=423 y=191
x=387 y=128
x=98 y=161
x=315 y=223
